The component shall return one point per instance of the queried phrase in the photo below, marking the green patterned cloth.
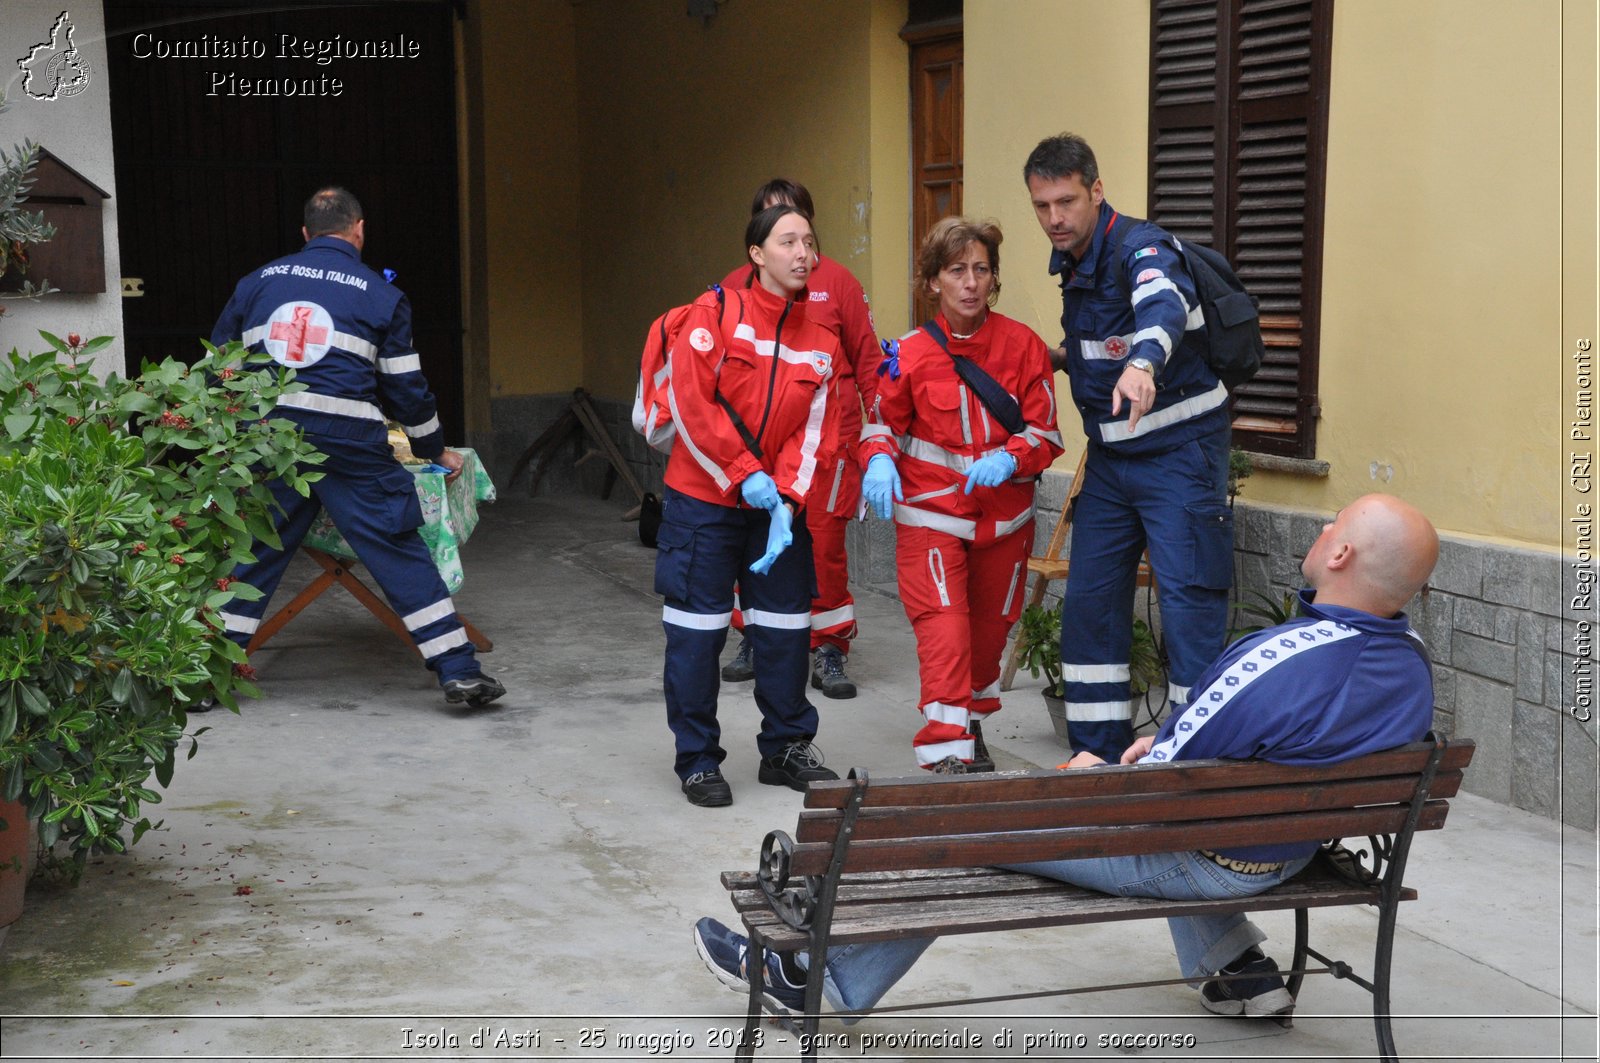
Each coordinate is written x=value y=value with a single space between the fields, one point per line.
x=449 y=514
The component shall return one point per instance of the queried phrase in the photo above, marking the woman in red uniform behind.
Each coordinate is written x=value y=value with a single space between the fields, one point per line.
x=960 y=485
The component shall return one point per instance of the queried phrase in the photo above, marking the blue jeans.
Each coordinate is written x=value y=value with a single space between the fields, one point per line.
x=859 y=975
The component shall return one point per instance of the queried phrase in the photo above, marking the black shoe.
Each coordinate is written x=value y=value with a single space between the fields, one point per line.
x=800 y=763
x=477 y=691
x=1261 y=996
x=742 y=668
x=205 y=704
x=951 y=765
x=827 y=673
x=981 y=760
x=708 y=789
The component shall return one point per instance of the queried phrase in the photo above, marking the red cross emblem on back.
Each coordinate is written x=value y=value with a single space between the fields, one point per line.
x=298 y=332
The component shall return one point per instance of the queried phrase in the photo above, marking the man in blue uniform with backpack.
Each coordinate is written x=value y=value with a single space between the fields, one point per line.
x=1156 y=416
x=346 y=332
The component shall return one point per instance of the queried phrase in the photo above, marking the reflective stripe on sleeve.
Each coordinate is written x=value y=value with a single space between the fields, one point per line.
x=428 y=427
x=244 y=625
x=404 y=363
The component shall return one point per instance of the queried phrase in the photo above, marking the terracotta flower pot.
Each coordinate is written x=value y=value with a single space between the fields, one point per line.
x=16 y=859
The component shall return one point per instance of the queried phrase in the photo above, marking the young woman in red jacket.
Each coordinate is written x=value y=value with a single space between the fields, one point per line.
x=748 y=385
x=960 y=485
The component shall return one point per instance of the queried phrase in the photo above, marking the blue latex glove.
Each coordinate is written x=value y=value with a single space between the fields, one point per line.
x=992 y=471
x=759 y=491
x=780 y=533
x=881 y=485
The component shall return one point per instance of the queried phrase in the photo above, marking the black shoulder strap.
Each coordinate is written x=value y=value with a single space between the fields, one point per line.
x=733 y=415
x=998 y=401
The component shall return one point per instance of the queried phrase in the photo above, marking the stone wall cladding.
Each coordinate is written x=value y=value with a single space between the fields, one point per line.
x=1494 y=617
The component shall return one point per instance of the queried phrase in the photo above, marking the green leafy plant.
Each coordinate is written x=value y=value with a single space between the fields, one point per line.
x=19 y=228
x=124 y=507
x=1039 y=639
x=1239 y=469
x=1270 y=610
x=1144 y=661
x=1039 y=642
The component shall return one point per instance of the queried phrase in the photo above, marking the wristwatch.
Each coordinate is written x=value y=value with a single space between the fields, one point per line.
x=1143 y=363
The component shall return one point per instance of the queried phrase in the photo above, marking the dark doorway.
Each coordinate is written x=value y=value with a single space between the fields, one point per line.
x=936 y=125
x=210 y=186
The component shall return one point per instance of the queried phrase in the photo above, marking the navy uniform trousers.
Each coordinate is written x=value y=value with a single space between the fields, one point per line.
x=1175 y=503
x=373 y=502
x=702 y=550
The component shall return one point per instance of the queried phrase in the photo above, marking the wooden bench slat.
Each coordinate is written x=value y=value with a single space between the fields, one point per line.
x=891 y=890
x=1192 y=775
x=1059 y=904
x=902 y=822
x=1080 y=842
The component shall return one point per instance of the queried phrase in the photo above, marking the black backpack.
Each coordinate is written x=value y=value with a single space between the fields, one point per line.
x=1234 y=348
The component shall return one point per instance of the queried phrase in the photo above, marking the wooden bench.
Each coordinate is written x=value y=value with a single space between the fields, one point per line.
x=913 y=857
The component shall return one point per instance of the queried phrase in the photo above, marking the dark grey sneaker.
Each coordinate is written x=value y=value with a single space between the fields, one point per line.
x=708 y=789
x=742 y=668
x=981 y=760
x=827 y=673
x=800 y=763
x=477 y=691
x=1260 y=996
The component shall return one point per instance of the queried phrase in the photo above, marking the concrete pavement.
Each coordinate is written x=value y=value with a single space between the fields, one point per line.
x=350 y=869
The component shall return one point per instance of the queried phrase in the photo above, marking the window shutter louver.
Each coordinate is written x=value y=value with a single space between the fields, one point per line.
x=1239 y=167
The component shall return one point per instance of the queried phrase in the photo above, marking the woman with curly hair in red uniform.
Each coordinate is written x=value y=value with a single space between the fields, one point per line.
x=748 y=385
x=954 y=456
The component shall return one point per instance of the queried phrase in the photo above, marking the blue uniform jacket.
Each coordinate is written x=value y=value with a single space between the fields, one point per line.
x=1135 y=300
x=346 y=332
x=1331 y=685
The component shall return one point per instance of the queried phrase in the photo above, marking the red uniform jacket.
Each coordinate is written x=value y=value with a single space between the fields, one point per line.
x=774 y=367
x=838 y=304
x=935 y=428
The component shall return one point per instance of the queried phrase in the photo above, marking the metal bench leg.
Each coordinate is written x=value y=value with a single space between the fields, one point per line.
x=755 y=966
x=1380 y=981
x=1302 y=934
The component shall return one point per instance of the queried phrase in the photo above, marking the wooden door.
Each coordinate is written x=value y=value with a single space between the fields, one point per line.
x=212 y=186
x=936 y=143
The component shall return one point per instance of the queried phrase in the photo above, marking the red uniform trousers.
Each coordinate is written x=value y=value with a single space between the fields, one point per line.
x=961 y=599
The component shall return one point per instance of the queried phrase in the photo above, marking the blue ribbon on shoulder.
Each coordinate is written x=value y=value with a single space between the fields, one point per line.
x=891 y=359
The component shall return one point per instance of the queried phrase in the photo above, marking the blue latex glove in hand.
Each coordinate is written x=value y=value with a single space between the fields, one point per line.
x=881 y=485
x=759 y=491
x=992 y=471
x=780 y=533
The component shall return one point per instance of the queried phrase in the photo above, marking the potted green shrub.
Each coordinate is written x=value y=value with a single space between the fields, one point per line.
x=124 y=506
x=1039 y=643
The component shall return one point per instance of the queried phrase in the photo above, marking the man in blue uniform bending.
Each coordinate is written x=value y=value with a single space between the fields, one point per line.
x=1157 y=423
x=1347 y=678
x=346 y=332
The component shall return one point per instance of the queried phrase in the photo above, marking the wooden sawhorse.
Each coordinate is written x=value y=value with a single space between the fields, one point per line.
x=337 y=570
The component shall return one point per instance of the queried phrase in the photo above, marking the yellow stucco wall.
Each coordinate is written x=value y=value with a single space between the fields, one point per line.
x=683 y=120
x=1442 y=345
x=532 y=204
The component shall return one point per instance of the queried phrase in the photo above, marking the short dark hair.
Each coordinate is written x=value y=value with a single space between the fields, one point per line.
x=1060 y=156
x=331 y=210
x=947 y=239
x=784 y=191
x=762 y=224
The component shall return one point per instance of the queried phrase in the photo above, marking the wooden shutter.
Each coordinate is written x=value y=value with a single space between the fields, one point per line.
x=1257 y=196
